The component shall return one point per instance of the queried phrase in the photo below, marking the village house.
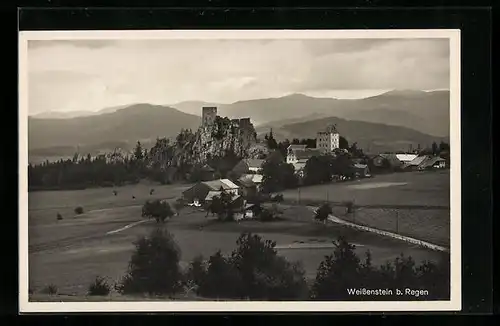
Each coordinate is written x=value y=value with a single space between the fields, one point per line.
x=385 y=163
x=361 y=170
x=247 y=166
x=406 y=158
x=256 y=179
x=299 y=154
x=200 y=191
x=425 y=162
x=207 y=173
x=248 y=188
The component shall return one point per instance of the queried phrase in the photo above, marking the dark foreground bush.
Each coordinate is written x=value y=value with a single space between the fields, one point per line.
x=50 y=289
x=59 y=217
x=79 y=210
x=343 y=272
x=99 y=287
x=253 y=271
x=154 y=267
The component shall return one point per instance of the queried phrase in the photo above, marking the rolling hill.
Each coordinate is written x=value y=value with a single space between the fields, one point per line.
x=427 y=112
x=371 y=137
x=128 y=125
x=390 y=121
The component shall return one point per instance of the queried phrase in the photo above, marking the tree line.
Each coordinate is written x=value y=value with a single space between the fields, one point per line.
x=255 y=271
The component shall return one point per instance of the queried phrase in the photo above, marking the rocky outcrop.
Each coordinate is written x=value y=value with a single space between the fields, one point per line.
x=223 y=136
x=209 y=141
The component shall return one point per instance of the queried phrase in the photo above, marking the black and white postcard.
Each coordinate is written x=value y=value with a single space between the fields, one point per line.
x=239 y=170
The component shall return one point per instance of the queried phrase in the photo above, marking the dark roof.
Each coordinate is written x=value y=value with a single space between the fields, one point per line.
x=392 y=159
x=307 y=153
x=207 y=168
x=431 y=161
x=246 y=182
x=418 y=160
x=254 y=163
x=217 y=184
x=295 y=146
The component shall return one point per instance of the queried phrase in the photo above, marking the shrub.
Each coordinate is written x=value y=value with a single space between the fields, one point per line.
x=253 y=271
x=50 y=289
x=179 y=205
x=221 y=279
x=154 y=266
x=323 y=212
x=349 y=206
x=337 y=273
x=99 y=287
x=196 y=272
x=278 y=198
x=270 y=214
x=266 y=215
x=59 y=217
x=157 y=209
x=79 y=210
x=344 y=270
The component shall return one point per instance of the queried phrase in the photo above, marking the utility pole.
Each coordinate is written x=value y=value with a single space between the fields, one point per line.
x=298 y=190
x=397 y=221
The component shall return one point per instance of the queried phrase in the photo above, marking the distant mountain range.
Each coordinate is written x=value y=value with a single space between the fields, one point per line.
x=76 y=114
x=427 y=112
x=391 y=120
x=142 y=122
x=371 y=137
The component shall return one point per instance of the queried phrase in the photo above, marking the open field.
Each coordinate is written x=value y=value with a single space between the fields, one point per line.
x=70 y=253
x=421 y=189
x=415 y=204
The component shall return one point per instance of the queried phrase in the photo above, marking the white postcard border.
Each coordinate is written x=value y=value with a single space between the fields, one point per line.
x=235 y=306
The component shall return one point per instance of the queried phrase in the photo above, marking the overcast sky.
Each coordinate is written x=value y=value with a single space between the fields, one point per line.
x=92 y=75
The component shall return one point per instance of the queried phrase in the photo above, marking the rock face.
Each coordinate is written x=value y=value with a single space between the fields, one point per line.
x=216 y=139
x=211 y=140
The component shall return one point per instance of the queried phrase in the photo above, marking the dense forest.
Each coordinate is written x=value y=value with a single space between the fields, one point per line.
x=168 y=162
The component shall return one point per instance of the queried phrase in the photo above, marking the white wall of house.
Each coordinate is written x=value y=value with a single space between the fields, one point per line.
x=291 y=158
x=327 y=141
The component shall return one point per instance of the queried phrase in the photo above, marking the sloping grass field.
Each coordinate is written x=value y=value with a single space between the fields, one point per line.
x=71 y=252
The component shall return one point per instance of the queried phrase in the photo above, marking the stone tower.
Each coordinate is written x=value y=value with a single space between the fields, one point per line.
x=208 y=115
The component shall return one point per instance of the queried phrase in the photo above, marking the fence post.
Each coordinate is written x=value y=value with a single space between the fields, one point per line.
x=397 y=221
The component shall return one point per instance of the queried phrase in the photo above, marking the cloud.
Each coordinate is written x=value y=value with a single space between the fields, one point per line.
x=91 y=75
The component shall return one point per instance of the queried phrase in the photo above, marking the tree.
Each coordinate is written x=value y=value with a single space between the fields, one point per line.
x=283 y=146
x=138 y=152
x=154 y=266
x=277 y=175
x=444 y=146
x=342 y=165
x=222 y=206
x=343 y=143
x=337 y=273
x=355 y=151
x=263 y=274
x=179 y=205
x=270 y=141
x=318 y=169
x=160 y=210
x=323 y=212
x=435 y=148
x=221 y=279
